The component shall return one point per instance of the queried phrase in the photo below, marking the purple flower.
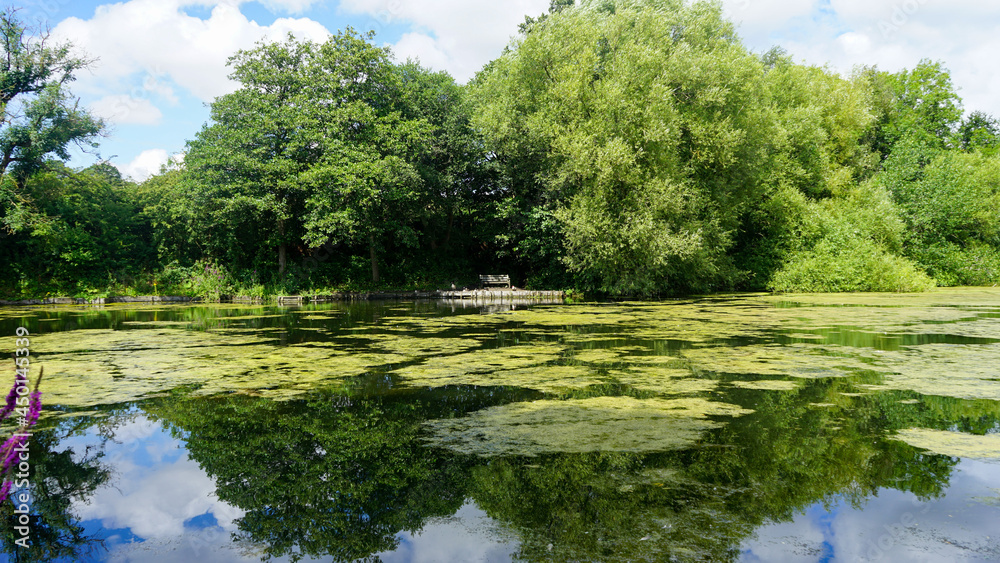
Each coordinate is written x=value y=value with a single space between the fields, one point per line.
x=9 y=449
x=9 y=452
x=35 y=409
x=12 y=396
x=11 y=401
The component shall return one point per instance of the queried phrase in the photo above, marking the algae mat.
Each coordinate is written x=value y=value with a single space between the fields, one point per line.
x=953 y=444
x=943 y=343
x=702 y=429
x=601 y=424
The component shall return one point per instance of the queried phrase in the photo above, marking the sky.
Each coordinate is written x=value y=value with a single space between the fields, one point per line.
x=160 y=63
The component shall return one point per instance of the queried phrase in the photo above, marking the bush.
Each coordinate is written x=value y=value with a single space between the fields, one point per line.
x=950 y=265
x=849 y=264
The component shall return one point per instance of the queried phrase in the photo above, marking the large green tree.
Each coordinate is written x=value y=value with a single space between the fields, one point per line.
x=979 y=130
x=248 y=158
x=918 y=104
x=39 y=117
x=646 y=147
x=334 y=144
x=364 y=185
x=645 y=120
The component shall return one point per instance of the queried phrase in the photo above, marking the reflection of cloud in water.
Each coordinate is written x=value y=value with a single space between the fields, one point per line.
x=156 y=487
x=894 y=526
x=467 y=536
x=154 y=502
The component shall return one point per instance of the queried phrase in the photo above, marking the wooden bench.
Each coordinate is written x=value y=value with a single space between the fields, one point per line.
x=488 y=280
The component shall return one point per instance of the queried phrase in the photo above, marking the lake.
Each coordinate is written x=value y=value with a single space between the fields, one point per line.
x=726 y=428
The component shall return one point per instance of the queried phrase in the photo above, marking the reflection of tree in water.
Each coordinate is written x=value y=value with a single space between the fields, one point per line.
x=58 y=478
x=340 y=476
x=702 y=503
x=327 y=476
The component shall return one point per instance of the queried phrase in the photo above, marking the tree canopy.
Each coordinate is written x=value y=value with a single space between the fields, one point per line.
x=619 y=147
x=39 y=118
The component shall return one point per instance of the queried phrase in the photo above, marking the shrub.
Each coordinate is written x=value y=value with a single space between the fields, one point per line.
x=838 y=264
x=952 y=265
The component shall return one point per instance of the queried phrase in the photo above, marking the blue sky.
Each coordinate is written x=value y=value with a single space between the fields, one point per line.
x=160 y=62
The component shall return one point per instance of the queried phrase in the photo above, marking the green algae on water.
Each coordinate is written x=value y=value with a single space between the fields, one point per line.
x=944 y=343
x=766 y=385
x=100 y=366
x=663 y=380
x=794 y=360
x=953 y=444
x=600 y=424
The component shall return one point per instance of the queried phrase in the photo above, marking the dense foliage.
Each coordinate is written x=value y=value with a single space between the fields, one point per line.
x=622 y=147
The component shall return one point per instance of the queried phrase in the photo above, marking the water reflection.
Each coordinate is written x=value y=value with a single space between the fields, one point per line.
x=897 y=526
x=61 y=477
x=227 y=465
x=347 y=478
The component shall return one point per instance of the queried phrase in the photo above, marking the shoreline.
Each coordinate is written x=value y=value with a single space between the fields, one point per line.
x=469 y=294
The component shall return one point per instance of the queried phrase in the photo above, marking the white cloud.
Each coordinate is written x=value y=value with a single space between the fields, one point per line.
x=422 y=47
x=893 y=525
x=154 y=501
x=123 y=109
x=891 y=34
x=157 y=38
x=146 y=164
x=289 y=6
x=854 y=44
x=460 y=36
x=454 y=35
x=757 y=18
x=468 y=535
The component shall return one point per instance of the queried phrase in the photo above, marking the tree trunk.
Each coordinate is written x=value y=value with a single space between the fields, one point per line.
x=282 y=249
x=371 y=246
x=451 y=222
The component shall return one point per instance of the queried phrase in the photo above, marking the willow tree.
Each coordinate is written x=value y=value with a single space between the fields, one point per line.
x=650 y=125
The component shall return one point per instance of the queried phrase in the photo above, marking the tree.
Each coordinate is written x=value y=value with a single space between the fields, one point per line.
x=331 y=143
x=336 y=477
x=920 y=104
x=951 y=214
x=84 y=226
x=61 y=478
x=365 y=184
x=250 y=155
x=644 y=129
x=555 y=6
x=176 y=209
x=979 y=130
x=38 y=115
